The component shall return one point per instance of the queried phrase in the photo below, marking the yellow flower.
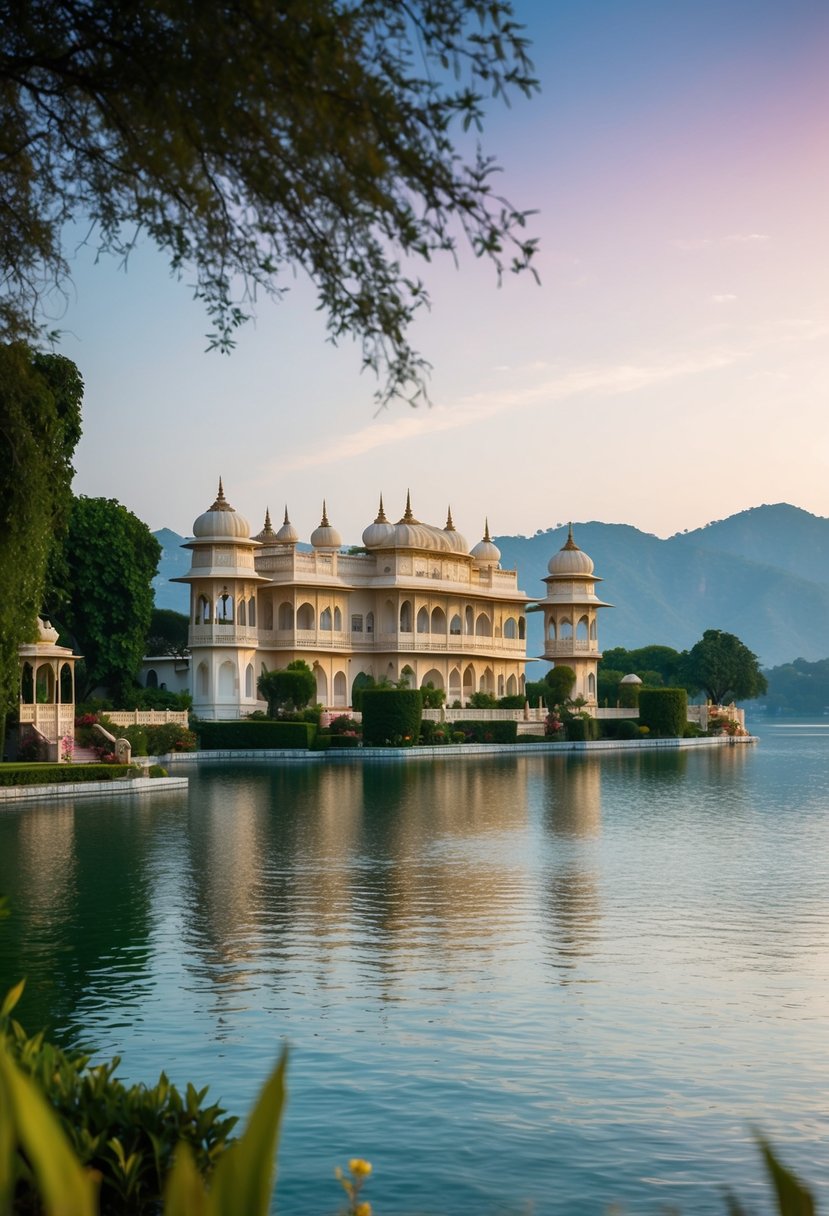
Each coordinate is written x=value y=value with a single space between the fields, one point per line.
x=362 y=1209
x=359 y=1168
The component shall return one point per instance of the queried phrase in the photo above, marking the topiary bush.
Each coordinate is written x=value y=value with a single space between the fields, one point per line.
x=664 y=711
x=581 y=729
x=391 y=716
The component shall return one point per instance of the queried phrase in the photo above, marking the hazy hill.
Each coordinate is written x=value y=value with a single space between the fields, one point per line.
x=762 y=574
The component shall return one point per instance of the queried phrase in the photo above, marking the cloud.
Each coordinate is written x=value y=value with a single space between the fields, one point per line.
x=746 y=238
x=693 y=244
x=726 y=298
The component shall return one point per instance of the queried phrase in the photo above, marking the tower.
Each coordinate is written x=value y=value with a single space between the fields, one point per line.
x=570 y=610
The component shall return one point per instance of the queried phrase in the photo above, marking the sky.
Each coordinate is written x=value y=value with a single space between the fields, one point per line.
x=670 y=368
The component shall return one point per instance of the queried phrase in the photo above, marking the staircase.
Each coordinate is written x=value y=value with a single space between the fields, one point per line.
x=84 y=755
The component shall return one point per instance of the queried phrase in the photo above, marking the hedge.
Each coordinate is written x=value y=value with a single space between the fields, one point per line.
x=59 y=774
x=581 y=730
x=391 y=716
x=619 y=728
x=255 y=736
x=488 y=732
x=664 y=711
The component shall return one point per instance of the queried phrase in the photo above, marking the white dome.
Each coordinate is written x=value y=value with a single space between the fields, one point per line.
x=287 y=534
x=380 y=533
x=325 y=537
x=570 y=559
x=410 y=533
x=267 y=535
x=221 y=520
x=485 y=552
x=457 y=542
x=631 y=679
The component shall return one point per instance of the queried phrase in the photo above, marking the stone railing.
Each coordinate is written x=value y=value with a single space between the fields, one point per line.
x=147 y=717
x=564 y=646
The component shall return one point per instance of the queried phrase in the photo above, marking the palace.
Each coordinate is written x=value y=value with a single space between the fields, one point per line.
x=414 y=603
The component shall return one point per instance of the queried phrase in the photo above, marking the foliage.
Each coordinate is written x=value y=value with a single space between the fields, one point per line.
x=560 y=681
x=157 y=770
x=552 y=724
x=101 y=591
x=168 y=632
x=619 y=728
x=352 y=1183
x=55 y=774
x=538 y=690
x=724 y=668
x=361 y=681
x=391 y=716
x=798 y=688
x=488 y=732
x=664 y=711
x=64 y=1119
x=155 y=698
x=40 y=425
x=482 y=700
x=433 y=697
x=292 y=686
x=344 y=725
x=255 y=735
x=156 y=740
x=251 y=139
x=581 y=728
x=514 y=701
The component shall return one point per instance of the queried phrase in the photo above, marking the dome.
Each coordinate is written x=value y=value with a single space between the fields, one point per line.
x=410 y=533
x=457 y=542
x=485 y=552
x=570 y=559
x=221 y=520
x=267 y=535
x=380 y=532
x=287 y=534
x=631 y=679
x=325 y=537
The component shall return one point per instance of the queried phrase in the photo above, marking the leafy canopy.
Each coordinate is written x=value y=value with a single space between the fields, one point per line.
x=251 y=138
x=724 y=668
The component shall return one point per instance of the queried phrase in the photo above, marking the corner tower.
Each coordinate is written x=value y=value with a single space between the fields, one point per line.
x=570 y=607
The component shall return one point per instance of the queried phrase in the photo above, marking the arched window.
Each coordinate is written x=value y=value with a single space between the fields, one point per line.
x=340 y=689
x=322 y=685
x=469 y=625
x=423 y=620
x=203 y=611
x=286 y=616
x=407 y=674
x=593 y=634
x=249 y=681
x=152 y=678
x=338 y=623
x=565 y=629
x=267 y=613
x=468 y=682
x=369 y=622
x=45 y=686
x=224 y=608
x=487 y=683
x=551 y=630
x=405 y=617
x=27 y=685
x=227 y=681
x=201 y=680
x=522 y=628
x=67 y=691
x=582 y=629
x=252 y=611
x=438 y=620
x=455 y=625
x=325 y=620
x=454 y=685
x=500 y=686
x=483 y=626
x=304 y=617
x=510 y=628
x=434 y=678
x=241 y=612
x=591 y=685
x=512 y=687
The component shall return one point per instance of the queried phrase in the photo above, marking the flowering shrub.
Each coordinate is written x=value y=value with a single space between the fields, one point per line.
x=552 y=723
x=343 y=725
x=67 y=749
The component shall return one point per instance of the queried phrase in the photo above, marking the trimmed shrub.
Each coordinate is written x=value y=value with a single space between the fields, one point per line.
x=427 y=732
x=341 y=742
x=58 y=774
x=458 y=736
x=157 y=770
x=664 y=711
x=581 y=730
x=391 y=716
x=618 y=728
x=488 y=732
x=512 y=702
x=255 y=736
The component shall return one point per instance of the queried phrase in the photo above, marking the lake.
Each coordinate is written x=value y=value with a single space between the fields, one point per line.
x=515 y=984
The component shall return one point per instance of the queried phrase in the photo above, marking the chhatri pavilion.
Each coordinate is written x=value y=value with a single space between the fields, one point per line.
x=414 y=603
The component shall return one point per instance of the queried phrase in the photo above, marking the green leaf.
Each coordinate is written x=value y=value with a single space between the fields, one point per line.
x=184 y=1194
x=66 y=1188
x=793 y=1199
x=11 y=998
x=244 y=1177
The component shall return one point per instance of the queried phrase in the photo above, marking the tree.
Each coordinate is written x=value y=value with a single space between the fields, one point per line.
x=722 y=667
x=40 y=424
x=101 y=591
x=560 y=681
x=293 y=686
x=168 y=632
x=250 y=139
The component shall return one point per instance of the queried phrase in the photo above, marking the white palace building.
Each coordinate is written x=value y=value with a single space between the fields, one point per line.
x=415 y=602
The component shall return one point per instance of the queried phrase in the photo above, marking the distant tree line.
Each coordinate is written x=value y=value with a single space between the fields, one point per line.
x=798 y=688
x=719 y=666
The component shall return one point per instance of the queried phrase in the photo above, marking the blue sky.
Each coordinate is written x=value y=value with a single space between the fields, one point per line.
x=670 y=369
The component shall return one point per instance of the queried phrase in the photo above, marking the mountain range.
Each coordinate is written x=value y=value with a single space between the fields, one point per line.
x=762 y=574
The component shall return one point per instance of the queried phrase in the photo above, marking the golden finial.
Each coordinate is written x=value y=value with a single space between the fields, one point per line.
x=450 y=527
x=381 y=514
x=221 y=503
x=324 y=521
x=570 y=543
x=487 y=537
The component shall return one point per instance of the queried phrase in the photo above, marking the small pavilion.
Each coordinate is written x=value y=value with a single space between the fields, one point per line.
x=47 y=688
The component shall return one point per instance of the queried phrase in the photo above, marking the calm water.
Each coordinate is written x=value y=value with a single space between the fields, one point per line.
x=515 y=985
